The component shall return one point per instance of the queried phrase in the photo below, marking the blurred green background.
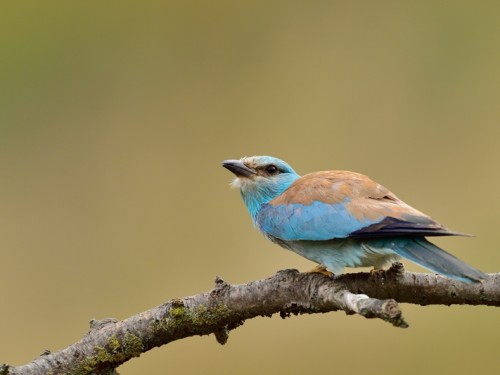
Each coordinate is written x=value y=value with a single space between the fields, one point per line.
x=115 y=116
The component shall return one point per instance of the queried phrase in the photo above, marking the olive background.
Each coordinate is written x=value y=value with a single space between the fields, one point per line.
x=115 y=117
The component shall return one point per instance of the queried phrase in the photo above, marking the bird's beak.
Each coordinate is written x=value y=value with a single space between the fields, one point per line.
x=238 y=168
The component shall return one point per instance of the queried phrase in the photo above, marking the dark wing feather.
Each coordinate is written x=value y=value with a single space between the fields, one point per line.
x=391 y=226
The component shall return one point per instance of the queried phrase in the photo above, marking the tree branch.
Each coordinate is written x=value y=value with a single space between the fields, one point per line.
x=110 y=343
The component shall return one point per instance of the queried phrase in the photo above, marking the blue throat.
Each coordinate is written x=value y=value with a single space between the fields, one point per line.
x=264 y=193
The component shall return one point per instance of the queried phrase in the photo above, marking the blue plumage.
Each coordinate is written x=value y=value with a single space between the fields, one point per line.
x=340 y=219
x=315 y=222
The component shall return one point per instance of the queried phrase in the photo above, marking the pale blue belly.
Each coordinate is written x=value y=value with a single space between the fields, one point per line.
x=340 y=253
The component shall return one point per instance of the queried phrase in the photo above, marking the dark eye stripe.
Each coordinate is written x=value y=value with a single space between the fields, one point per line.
x=272 y=169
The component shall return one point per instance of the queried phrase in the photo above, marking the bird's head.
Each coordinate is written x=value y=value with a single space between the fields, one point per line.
x=260 y=179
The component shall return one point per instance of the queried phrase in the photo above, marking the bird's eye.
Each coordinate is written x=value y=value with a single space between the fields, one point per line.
x=272 y=169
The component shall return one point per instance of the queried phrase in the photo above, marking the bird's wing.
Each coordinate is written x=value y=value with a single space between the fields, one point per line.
x=341 y=204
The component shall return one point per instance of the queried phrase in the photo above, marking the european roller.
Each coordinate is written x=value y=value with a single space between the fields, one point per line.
x=340 y=219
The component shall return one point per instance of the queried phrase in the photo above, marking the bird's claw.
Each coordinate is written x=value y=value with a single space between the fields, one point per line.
x=375 y=272
x=322 y=270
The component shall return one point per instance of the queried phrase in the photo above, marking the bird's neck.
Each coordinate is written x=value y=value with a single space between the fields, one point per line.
x=256 y=195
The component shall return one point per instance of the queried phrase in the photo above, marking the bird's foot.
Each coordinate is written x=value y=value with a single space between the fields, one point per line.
x=322 y=270
x=375 y=272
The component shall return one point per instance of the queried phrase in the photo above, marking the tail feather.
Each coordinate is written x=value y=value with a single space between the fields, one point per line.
x=428 y=255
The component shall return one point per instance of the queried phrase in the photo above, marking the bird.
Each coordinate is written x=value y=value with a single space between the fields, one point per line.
x=341 y=219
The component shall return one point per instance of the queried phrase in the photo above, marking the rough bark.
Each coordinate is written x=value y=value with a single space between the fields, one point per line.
x=110 y=343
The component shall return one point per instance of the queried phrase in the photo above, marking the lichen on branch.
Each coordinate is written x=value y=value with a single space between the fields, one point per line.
x=109 y=342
